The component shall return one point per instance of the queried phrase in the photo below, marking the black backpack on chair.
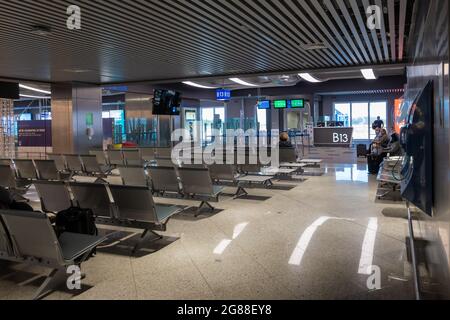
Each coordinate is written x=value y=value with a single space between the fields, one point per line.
x=76 y=220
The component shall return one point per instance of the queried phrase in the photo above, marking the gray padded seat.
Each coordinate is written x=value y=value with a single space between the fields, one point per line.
x=164 y=179
x=198 y=185
x=198 y=181
x=92 y=196
x=6 y=162
x=164 y=162
x=5 y=241
x=100 y=156
x=54 y=195
x=7 y=177
x=148 y=154
x=163 y=152
x=134 y=176
x=25 y=169
x=74 y=163
x=288 y=155
x=132 y=157
x=115 y=157
x=90 y=165
x=223 y=172
x=59 y=161
x=34 y=241
x=136 y=203
x=250 y=168
x=47 y=170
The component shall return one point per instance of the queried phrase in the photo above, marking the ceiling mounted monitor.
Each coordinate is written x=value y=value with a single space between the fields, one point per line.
x=166 y=102
x=264 y=105
x=280 y=104
x=297 y=104
x=223 y=95
x=9 y=90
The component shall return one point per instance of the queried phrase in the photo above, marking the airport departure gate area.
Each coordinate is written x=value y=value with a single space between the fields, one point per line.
x=234 y=154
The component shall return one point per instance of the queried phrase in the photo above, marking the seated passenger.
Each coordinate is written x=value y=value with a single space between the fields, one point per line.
x=284 y=141
x=377 y=151
x=380 y=142
x=394 y=148
x=384 y=139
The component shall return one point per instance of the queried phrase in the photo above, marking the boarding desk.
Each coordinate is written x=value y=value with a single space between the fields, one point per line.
x=333 y=137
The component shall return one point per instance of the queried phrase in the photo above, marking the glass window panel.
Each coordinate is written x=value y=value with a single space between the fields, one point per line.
x=342 y=113
x=377 y=109
x=262 y=120
x=207 y=124
x=360 y=120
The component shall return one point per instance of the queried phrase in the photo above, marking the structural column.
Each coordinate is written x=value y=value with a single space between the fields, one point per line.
x=76 y=118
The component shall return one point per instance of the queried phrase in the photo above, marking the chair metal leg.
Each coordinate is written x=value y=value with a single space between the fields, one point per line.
x=141 y=241
x=204 y=203
x=54 y=280
x=268 y=183
x=240 y=192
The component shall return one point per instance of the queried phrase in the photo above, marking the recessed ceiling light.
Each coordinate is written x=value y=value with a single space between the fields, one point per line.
x=197 y=85
x=41 y=30
x=242 y=82
x=308 y=77
x=368 y=74
x=34 y=89
x=33 y=97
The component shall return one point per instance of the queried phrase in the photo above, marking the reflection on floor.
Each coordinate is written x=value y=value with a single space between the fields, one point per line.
x=324 y=239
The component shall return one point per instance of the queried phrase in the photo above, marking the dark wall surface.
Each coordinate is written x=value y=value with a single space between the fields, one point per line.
x=430 y=45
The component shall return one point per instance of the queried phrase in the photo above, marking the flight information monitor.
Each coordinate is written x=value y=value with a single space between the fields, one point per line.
x=280 y=104
x=297 y=104
x=264 y=105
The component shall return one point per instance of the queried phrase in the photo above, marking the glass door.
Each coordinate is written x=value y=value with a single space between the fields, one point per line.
x=342 y=113
x=261 y=115
x=360 y=120
x=377 y=109
x=212 y=119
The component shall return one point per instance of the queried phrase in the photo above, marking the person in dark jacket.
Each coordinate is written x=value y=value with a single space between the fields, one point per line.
x=284 y=141
x=378 y=124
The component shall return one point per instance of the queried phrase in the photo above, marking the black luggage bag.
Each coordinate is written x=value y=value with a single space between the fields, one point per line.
x=361 y=150
x=76 y=220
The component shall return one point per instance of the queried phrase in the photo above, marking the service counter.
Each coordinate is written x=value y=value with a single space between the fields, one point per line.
x=333 y=137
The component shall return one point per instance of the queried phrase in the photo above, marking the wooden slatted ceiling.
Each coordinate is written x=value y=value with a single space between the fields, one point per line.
x=137 y=40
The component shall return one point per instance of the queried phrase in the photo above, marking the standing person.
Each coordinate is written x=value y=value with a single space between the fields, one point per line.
x=378 y=123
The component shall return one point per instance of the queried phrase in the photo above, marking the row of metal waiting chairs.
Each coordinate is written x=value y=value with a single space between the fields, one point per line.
x=18 y=175
x=130 y=157
x=29 y=238
x=189 y=183
x=190 y=180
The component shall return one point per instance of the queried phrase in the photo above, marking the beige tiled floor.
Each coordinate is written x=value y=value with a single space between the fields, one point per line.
x=243 y=252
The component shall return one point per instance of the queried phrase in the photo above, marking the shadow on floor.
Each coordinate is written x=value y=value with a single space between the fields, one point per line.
x=124 y=243
x=17 y=279
x=191 y=214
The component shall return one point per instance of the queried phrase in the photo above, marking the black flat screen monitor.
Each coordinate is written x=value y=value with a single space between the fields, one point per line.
x=166 y=102
x=9 y=90
x=417 y=140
